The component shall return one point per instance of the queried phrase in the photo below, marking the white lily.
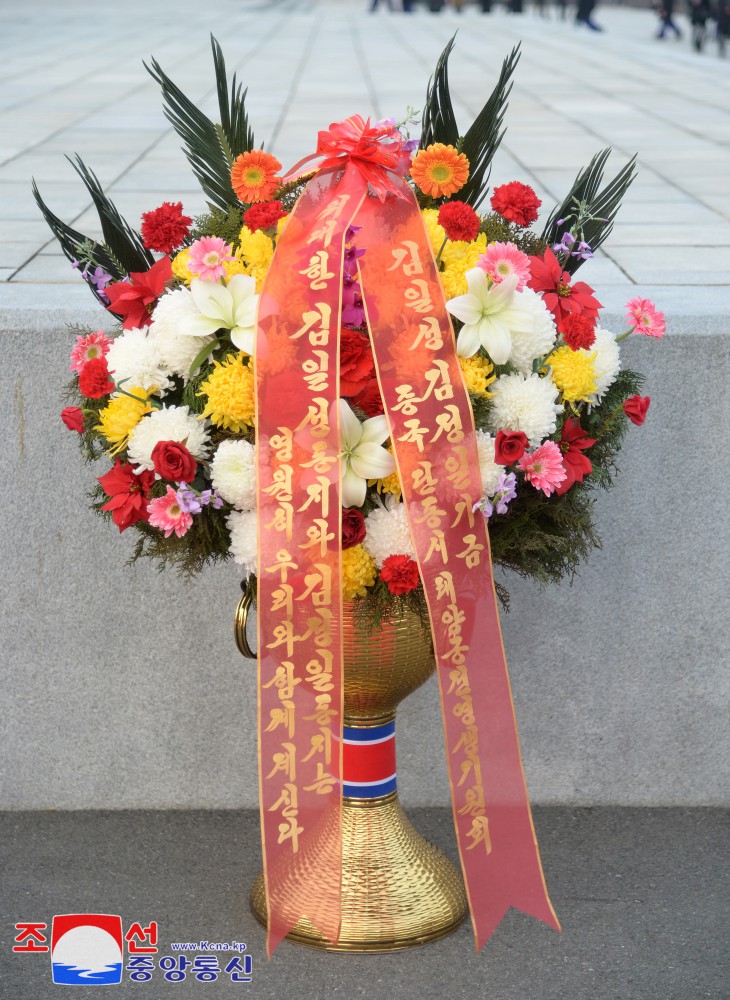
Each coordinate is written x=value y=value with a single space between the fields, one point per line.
x=362 y=456
x=228 y=307
x=490 y=314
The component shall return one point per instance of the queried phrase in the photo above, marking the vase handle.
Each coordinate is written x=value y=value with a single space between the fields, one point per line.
x=241 y=620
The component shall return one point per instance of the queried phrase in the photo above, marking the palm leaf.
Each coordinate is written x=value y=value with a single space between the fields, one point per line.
x=438 y=122
x=586 y=207
x=209 y=147
x=123 y=243
x=482 y=140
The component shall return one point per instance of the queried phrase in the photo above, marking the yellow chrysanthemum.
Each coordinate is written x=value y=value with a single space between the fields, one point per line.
x=439 y=170
x=478 y=373
x=358 y=572
x=573 y=373
x=180 y=266
x=458 y=258
x=253 y=255
x=235 y=266
x=121 y=415
x=435 y=232
x=230 y=393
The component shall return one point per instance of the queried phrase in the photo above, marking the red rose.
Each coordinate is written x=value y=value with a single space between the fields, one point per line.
x=369 y=400
x=578 y=331
x=353 y=527
x=516 y=203
x=128 y=494
x=636 y=409
x=173 y=461
x=573 y=442
x=356 y=362
x=264 y=215
x=459 y=221
x=73 y=418
x=509 y=447
x=400 y=573
x=134 y=299
x=94 y=381
x=165 y=228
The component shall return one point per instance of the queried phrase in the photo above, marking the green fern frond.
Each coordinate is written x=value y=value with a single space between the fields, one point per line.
x=438 y=122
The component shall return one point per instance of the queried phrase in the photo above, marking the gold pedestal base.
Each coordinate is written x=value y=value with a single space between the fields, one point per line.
x=397 y=889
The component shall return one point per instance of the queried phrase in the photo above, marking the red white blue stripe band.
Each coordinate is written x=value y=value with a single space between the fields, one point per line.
x=369 y=761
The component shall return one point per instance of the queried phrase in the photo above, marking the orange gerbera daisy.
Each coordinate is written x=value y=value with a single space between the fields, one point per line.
x=440 y=170
x=253 y=176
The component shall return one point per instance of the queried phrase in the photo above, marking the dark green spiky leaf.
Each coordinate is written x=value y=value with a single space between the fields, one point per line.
x=482 y=140
x=438 y=122
x=74 y=244
x=588 y=209
x=209 y=149
x=123 y=242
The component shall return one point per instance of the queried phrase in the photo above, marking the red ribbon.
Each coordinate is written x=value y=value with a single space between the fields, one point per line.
x=433 y=437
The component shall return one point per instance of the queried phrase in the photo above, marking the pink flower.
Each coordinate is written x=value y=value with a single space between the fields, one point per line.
x=207 y=256
x=168 y=514
x=86 y=349
x=543 y=467
x=643 y=315
x=503 y=259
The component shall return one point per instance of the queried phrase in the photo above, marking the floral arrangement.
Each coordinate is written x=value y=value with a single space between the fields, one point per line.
x=166 y=400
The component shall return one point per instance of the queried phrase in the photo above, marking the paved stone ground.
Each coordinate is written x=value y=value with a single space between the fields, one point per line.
x=72 y=80
x=639 y=894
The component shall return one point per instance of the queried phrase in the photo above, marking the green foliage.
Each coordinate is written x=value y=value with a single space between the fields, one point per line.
x=608 y=424
x=380 y=605
x=499 y=230
x=483 y=137
x=589 y=213
x=206 y=541
x=223 y=222
x=209 y=146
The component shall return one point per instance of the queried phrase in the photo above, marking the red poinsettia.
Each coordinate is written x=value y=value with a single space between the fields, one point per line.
x=133 y=299
x=128 y=494
x=165 y=228
x=400 y=573
x=264 y=216
x=573 y=442
x=459 y=221
x=560 y=297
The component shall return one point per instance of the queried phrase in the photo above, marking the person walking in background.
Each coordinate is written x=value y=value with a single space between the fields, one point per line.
x=374 y=5
x=699 y=13
x=723 y=25
x=665 y=10
x=583 y=14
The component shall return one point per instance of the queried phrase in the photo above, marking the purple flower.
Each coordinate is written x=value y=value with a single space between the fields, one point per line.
x=505 y=492
x=410 y=144
x=583 y=251
x=352 y=231
x=567 y=244
x=484 y=507
x=100 y=278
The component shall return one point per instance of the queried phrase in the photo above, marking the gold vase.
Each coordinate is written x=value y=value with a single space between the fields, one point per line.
x=398 y=890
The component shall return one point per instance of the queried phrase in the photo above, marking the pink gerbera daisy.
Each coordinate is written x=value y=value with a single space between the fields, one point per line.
x=643 y=315
x=503 y=259
x=168 y=514
x=543 y=467
x=95 y=345
x=207 y=256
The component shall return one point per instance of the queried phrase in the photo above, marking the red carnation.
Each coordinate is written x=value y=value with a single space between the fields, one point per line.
x=369 y=400
x=578 y=331
x=173 y=462
x=572 y=444
x=560 y=297
x=353 y=527
x=134 y=299
x=264 y=215
x=459 y=221
x=509 y=447
x=636 y=409
x=165 y=228
x=128 y=494
x=73 y=418
x=400 y=573
x=356 y=362
x=94 y=381
x=516 y=202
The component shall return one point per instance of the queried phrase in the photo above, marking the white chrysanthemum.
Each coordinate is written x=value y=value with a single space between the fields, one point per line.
x=134 y=360
x=606 y=363
x=540 y=339
x=244 y=529
x=171 y=423
x=527 y=404
x=488 y=468
x=233 y=473
x=177 y=350
x=387 y=532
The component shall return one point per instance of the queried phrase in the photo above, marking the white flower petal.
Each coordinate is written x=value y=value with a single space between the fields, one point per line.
x=350 y=427
x=213 y=300
x=468 y=341
x=495 y=339
x=467 y=308
x=376 y=429
x=370 y=461
x=244 y=340
x=354 y=489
